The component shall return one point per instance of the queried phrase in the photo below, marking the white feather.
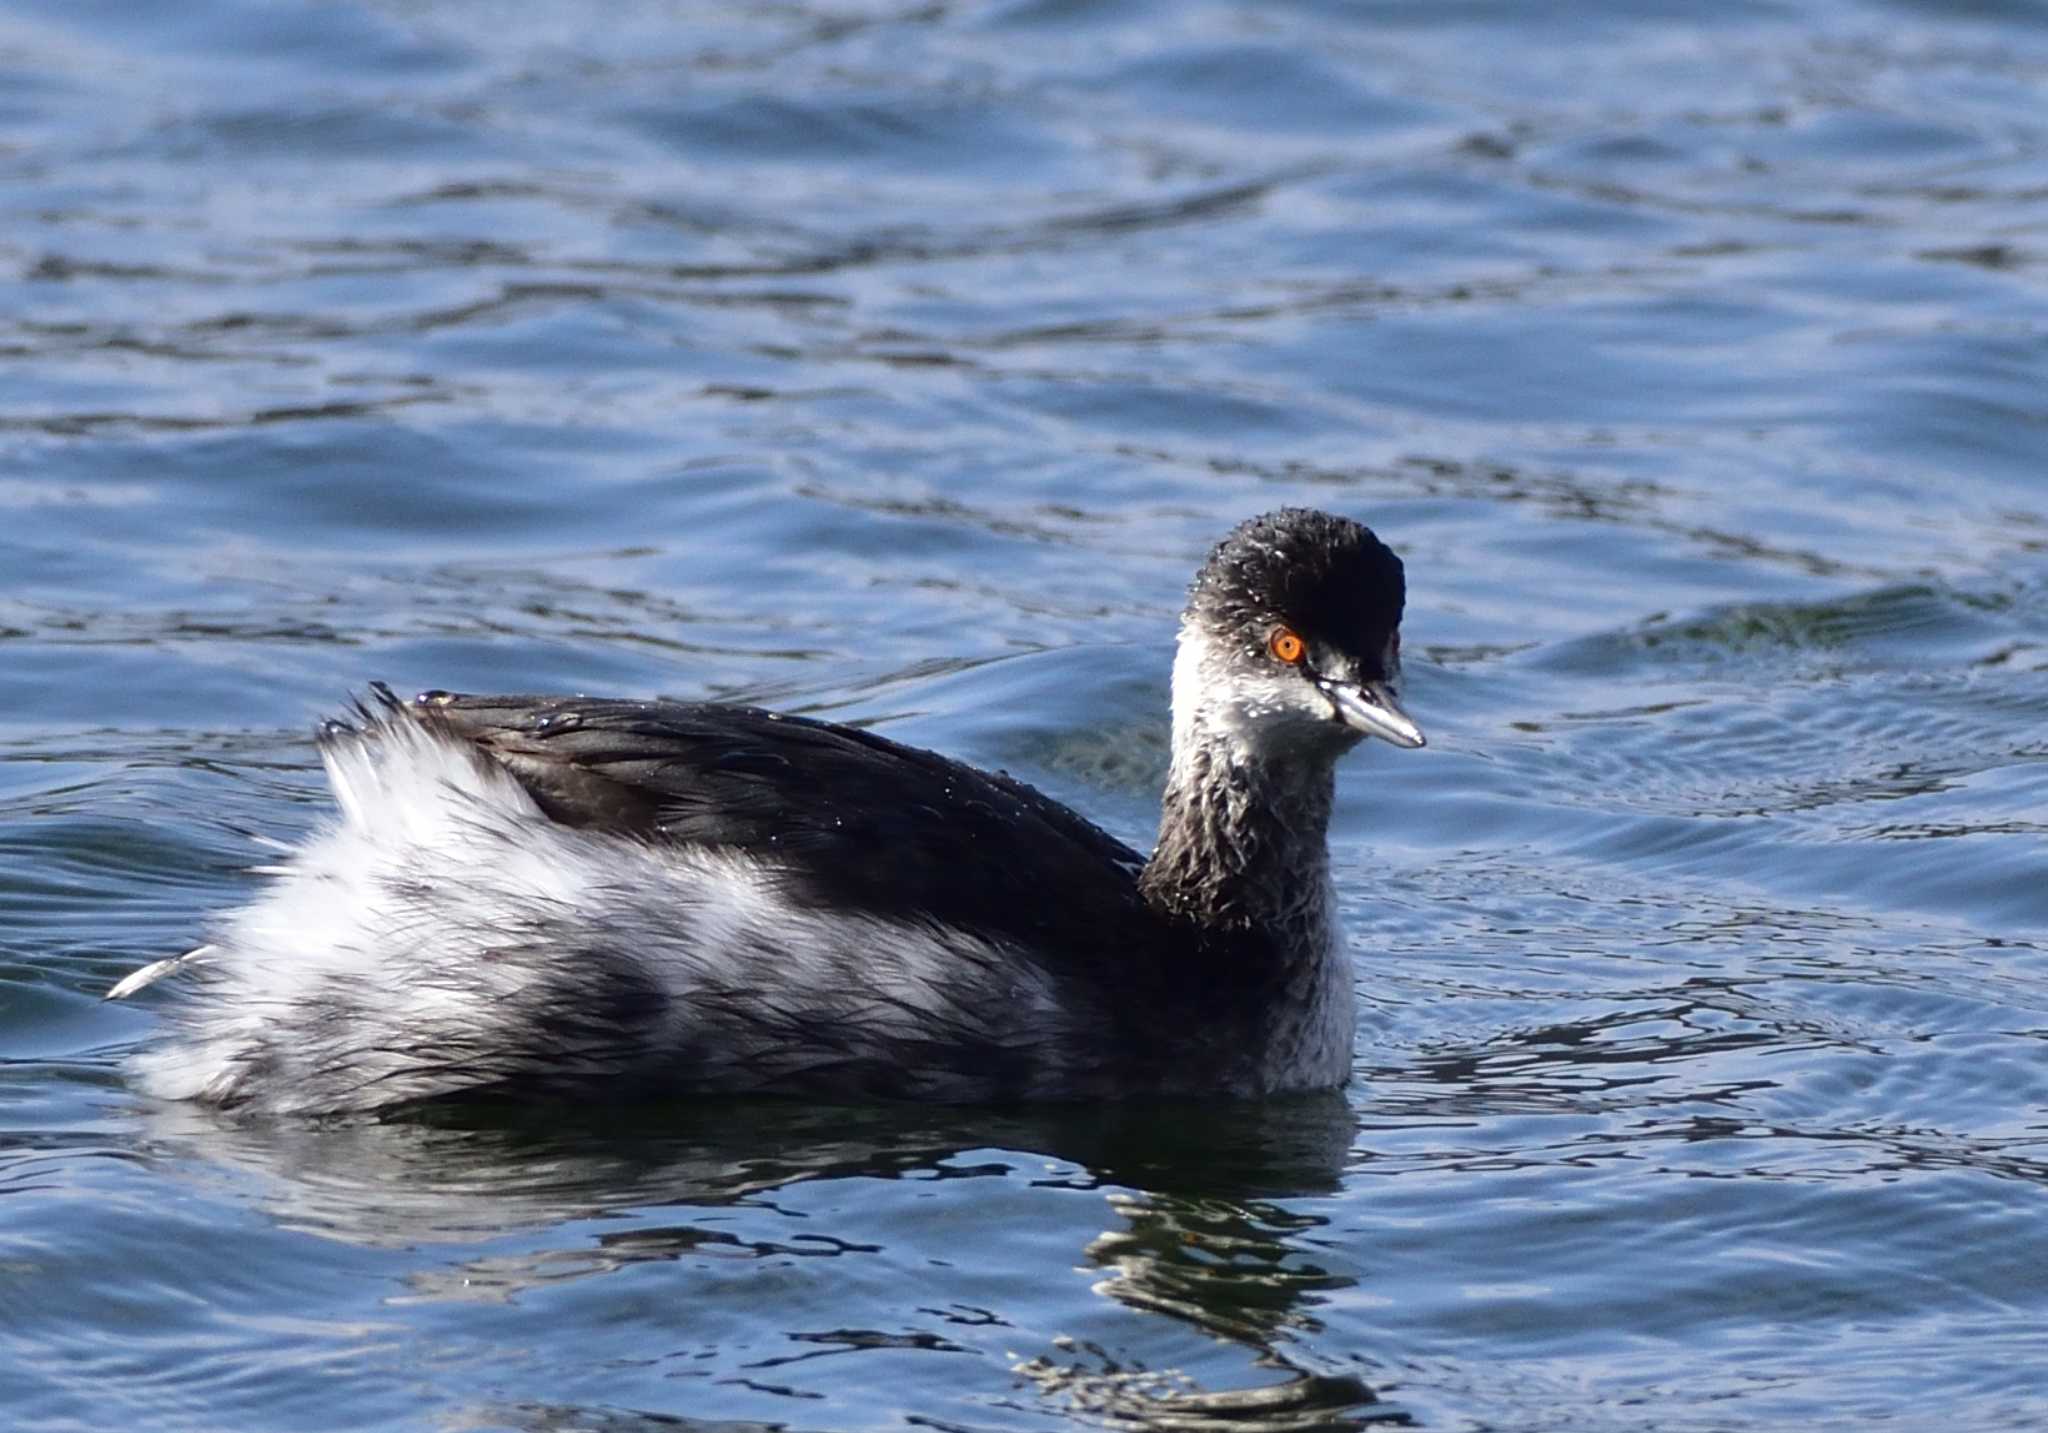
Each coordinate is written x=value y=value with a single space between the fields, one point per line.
x=156 y=970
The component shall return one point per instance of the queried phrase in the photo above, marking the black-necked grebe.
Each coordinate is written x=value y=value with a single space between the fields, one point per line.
x=536 y=896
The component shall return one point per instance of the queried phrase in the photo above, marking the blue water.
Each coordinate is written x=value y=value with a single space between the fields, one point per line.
x=898 y=362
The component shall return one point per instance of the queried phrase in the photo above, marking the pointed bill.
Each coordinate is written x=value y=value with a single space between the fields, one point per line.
x=1370 y=708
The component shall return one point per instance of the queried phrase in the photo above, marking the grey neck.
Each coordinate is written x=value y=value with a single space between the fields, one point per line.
x=1243 y=853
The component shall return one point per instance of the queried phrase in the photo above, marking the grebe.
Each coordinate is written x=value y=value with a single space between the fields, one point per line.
x=533 y=897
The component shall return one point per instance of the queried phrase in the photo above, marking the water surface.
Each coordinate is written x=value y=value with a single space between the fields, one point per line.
x=898 y=362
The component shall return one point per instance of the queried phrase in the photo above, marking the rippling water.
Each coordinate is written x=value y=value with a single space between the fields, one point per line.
x=898 y=362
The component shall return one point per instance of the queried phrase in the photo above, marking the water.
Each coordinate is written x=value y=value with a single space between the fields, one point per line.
x=898 y=362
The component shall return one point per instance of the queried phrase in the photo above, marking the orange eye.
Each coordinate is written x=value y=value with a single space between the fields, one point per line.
x=1286 y=644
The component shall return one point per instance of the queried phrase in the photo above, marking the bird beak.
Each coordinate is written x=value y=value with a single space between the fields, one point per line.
x=1370 y=708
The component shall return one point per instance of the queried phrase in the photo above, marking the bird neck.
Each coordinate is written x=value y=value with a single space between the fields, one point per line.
x=1243 y=852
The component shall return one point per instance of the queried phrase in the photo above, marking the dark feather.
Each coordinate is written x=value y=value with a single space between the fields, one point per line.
x=855 y=821
x=1325 y=575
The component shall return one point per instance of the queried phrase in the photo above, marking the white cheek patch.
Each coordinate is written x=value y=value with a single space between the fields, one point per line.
x=1252 y=711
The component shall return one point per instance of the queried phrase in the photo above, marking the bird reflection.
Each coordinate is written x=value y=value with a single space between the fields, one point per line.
x=1200 y=1231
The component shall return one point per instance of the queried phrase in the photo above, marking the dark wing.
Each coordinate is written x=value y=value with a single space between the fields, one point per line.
x=854 y=820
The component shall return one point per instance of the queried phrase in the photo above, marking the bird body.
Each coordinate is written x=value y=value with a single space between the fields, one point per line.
x=531 y=897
